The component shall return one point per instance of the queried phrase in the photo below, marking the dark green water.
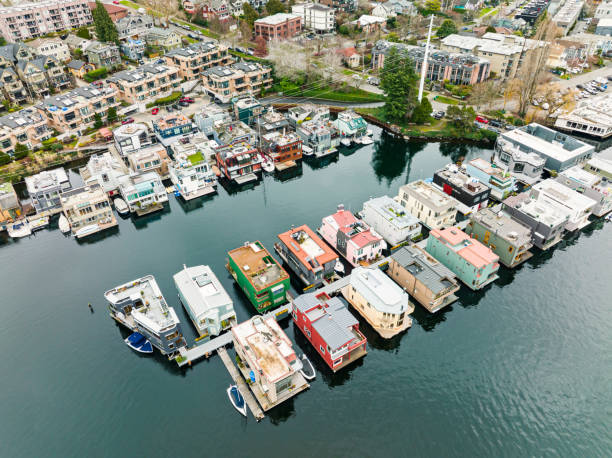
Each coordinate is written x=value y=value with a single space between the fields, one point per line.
x=521 y=369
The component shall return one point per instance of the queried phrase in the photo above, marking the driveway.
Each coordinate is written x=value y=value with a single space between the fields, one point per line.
x=585 y=77
x=147 y=117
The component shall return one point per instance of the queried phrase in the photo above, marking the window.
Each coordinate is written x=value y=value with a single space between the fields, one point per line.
x=322 y=349
x=307 y=331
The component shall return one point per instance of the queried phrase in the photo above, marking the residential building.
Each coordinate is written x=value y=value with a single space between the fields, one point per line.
x=309 y=257
x=10 y=208
x=525 y=166
x=350 y=124
x=45 y=189
x=188 y=6
x=350 y=56
x=238 y=163
x=352 y=238
x=474 y=264
x=330 y=328
x=88 y=210
x=103 y=54
x=577 y=206
x=74 y=111
x=383 y=304
x=531 y=11
x=316 y=17
x=403 y=7
x=500 y=182
x=78 y=68
x=145 y=83
x=12 y=53
x=508 y=238
x=428 y=281
x=42 y=73
x=592 y=117
x=604 y=10
x=172 y=128
x=505 y=53
x=223 y=83
x=604 y=27
x=264 y=348
x=307 y=112
x=593 y=186
x=195 y=143
x=73 y=42
x=163 y=39
x=567 y=15
x=259 y=275
x=279 y=26
x=271 y=121
x=104 y=170
x=209 y=306
x=134 y=26
x=600 y=166
x=389 y=219
x=131 y=137
x=383 y=11
x=370 y=24
x=471 y=194
x=192 y=60
x=152 y=158
x=431 y=206
x=115 y=11
x=234 y=133
x=208 y=116
x=27 y=127
x=12 y=87
x=192 y=175
x=53 y=47
x=216 y=9
x=457 y=68
x=31 y=20
x=281 y=147
x=346 y=6
x=133 y=48
x=143 y=192
x=318 y=137
x=561 y=151
x=246 y=109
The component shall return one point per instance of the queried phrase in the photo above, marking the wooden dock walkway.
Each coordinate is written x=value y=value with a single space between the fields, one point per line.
x=198 y=351
x=242 y=386
x=336 y=286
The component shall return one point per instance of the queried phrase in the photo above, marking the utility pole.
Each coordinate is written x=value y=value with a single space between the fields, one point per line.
x=424 y=65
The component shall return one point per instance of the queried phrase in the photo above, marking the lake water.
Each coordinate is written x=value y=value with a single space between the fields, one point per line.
x=522 y=368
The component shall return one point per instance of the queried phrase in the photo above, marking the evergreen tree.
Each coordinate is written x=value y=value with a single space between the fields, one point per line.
x=447 y=28
x=21 y=151
x=491 y=29
x=97 y=121
x=83 y=32
x=422 y=112
x=105 y=28
x=250 y=13
x=398 y=82
x=111 y=115
x=274 y=6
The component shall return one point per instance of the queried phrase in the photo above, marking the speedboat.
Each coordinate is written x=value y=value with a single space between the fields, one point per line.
x=307 y=369
x=267 y=164
x=365 y=140
x=235 y=396
x=307 y=150
x=19 y=229
x=339 y=267
x=137 y=342
x=121 y=206
x=38 y=223
x=63 y=224
x=345 y=141
x=87 y=230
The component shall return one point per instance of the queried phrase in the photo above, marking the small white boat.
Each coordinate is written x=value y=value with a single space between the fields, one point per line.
x=38 y=223
x=235 y=397
x=366 y=140
x=307 y=369
x=609 y=218
x=19 y=229
x=63 y=224
x=121 y=206
x=307 y=150
x=267 y=164
x=369 y=132
x=346 y=141
x=87 y=230
x=137 y=342
x=339 y=267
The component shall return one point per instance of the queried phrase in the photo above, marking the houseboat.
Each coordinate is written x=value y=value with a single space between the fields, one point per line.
x=88 y=210
x=383 y=304
x=389 y=219
x=209 y=306
x=352 y=238
x=282 y=147
x=143 y=192
x=591 y=185
x=140 y=306
x=471 y=194
x=309 y=257
x=239 y=163
x=192 y=176
x=259 y=275
x=430 y=205
x=303 y=113
x=330 y=328
x=502 y=183
x=318 y=138
x=352 y=126
x=105 y=170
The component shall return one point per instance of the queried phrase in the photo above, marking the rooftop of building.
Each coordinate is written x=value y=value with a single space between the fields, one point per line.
x=129 y=130
x=68 y=99
x=379 y=290
x=433 y=274
x=557 y=193
x=418 y=53
x=47 y=179
x=356 y=230
x=277 y=18
x=308 y=247
x=143 y=72
x=601 y=164
x=521 y=156
x=193 y=50
x=280 y=139
x=258 y=265
x=201 y=288
x=391 y=211
x=502 y=224
x=461 y=180
x=6 y=188
x=488 y=168
x=597 y=109
x=83 y=195
x=21 y=118
x=469 y=249
x=581 y=176
x=426 y=193
x=540 y=211
x=170 y=121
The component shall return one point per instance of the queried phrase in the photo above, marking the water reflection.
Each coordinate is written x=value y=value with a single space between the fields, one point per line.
x=392 y=157
x=321 y=163
x=428 y=321
x=194 y=204
x=456 y=151
x=142 y=222
x=289 y=174
x=282 y=412
x=233 y=188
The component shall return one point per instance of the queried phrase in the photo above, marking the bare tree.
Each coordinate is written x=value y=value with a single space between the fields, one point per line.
x=288 y=57
x=161 y=9
x=554 y=98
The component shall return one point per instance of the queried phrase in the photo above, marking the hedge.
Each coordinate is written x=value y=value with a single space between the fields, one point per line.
x=166 y=100
x=96 y=74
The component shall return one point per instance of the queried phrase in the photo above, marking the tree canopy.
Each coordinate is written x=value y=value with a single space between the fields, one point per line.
x=491 y=29
x=422 y=112
x=274 y=6
x=83 y=32
x=105 y=28
x=250 y=13
x=398 y=82
x=462 y=118
x=433 y=5
x=447 y=28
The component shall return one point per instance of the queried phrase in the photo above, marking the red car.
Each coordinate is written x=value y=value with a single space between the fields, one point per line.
x=116 y=2
x=154 y=111
x=482 y=120
x=127 y=121
x=187 y=99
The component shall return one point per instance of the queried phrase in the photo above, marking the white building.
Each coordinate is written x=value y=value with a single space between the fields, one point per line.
x=192 y=175
x=131 y=137
x=592 y=117
x=568 y=14
x=53 y=47
x=209 y=306
x=316 y=17
x=604 y=10
x=435 y=209
x=383 y=11
x=143 y=192
x=104 y=170
x=88 y=210
x=526 y=167
x=390 y=220
x=576 y=206
x=593 y=186
x=46 y=187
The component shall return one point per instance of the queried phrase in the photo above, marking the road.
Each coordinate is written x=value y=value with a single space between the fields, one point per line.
x=585 y=77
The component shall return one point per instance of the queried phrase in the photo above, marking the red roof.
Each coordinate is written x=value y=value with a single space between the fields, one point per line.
x=327 y=255
x=345 y=219
x=473 y=251
x=109 y=7
x=347 y=52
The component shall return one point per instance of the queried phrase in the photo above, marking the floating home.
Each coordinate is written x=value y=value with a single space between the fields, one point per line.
x=269 y=361
x=431 y=206
x=88 y=210
x=422 y=276
x=309 y=257
x=140 y=306
x=192 y=176
x=10 y=207
x=282 y=147
x=330 y=328
x=319 y=138
x=45 y=189
x=509 y=239
x=592 y=186
x=239 y=163
x=207 y=303
x=525 y=166
x=474 y=264
x=143 y=192
x=351 y=125
x=262 y=279
x=352 y=238
x=105 y=170
x=502 y=183
x=471 y=194
x=389 y=219
x=309 y=112
x=383 y=304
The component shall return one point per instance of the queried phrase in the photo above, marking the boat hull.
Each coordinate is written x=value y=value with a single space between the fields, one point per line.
x=239 y=406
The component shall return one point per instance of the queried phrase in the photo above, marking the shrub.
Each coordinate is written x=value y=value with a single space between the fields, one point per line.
x=97 y=74
x=172 y=98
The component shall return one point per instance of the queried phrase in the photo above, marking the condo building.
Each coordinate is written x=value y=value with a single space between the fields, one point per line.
x=223 y=83
x=192 y=60
x=145 y=83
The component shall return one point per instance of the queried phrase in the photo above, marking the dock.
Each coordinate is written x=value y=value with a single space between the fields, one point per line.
x=205 y=349
x=240 y=381
x=285 y=165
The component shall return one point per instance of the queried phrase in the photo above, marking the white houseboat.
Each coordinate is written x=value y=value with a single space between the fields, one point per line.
x=192 y=176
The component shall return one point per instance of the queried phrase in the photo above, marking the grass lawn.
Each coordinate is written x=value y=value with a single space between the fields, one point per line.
x=447 y=100
x=247 y=56
x=195 y=158
x=485 y=11
x=188 y=39
x=343 y=94
x=204 y=31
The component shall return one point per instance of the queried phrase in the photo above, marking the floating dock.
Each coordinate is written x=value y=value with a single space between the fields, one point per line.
x=205 y=349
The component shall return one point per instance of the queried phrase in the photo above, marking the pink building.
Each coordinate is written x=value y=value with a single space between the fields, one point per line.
x=31 y=20
x=352 y=238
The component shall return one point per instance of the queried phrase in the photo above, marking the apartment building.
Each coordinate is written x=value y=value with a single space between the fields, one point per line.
x=41 y=74
x=53 y=47
x=145 y=83
x=31 y=20
x=103 y=54
x=74 y=111
x=505 y=53
x=223 y=83
x=432 y=207
x=27 y=127
x=88 y=210
x=280 y=26
x=316 y=17
x=13 y=89
x=192 y=60
x=567 y=15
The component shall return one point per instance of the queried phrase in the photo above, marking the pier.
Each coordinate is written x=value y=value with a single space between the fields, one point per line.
x=240 y=382
x=205 y=349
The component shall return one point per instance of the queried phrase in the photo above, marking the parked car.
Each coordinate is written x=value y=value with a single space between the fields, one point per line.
x=116 y=2
x=482 y=120
x=187 y=99
x=183 y=104
x=496 y=123
x=127 y=121
x=250 y=51
x=154 y=111
x=374 y=81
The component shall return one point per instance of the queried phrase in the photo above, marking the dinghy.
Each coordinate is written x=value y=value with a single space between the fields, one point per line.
x=139 y=343
x=366 y=141
x=267 y=164
x=339 y=267
x=63 y=224
x=307 y=369
x=346 y=141
x=121 y=206
x=38 y=223
x=234 y=395
x=19 y=229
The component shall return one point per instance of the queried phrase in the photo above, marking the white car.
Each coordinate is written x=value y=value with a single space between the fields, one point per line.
x=356 y=77
x=545 y=106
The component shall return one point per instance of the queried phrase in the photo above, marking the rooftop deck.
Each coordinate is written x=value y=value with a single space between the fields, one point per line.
x=258 y=265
